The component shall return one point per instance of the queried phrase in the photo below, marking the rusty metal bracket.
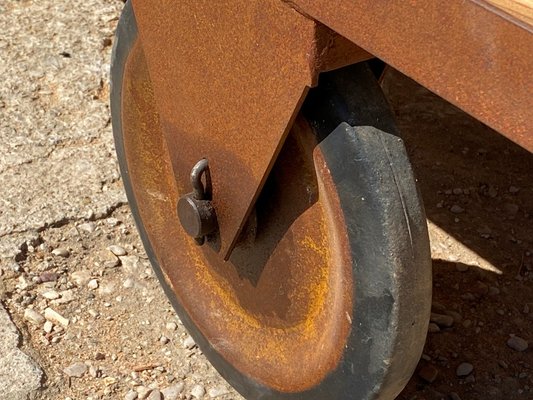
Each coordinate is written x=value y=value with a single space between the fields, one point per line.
x=477 y=54
x=229 y=78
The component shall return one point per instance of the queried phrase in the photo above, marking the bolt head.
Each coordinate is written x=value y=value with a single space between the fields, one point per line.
x=197 y=217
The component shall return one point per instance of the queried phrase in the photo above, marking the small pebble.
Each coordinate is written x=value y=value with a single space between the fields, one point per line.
x=48 y=327
x=171 y=326
x=464 y=369
x=442 y=320
x=112 y=263
x=188 y=342
x=61 y=252
x=128 y=283
x=217 y=391
x=143 y=392
x=88 y=227
x=173 y=392
x=131 y=395
x=433 y=328
x=50 y=295
x=65 y=296
x=428 y=373
x=198 y=391
x=154 y=395
x=456 y=209
x=131 y=264
x=93 y=284
x=117 y=250
x=76 y=370
x=164 y=340
x=81 y=278
x=48 y=277
x=94 y=371
x=34 y=317
x=112 y=221
x=503 y=364
x=54 y=317
x=517 y=343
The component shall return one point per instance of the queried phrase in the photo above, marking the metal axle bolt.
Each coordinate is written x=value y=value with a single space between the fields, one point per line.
x=195 y=211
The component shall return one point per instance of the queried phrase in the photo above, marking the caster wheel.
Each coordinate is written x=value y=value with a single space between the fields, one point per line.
x=327 y=295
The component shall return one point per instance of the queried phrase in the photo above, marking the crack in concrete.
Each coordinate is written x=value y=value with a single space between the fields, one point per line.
x=23 y=249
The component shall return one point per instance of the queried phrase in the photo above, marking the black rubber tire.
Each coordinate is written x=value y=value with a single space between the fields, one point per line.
x=386 y=227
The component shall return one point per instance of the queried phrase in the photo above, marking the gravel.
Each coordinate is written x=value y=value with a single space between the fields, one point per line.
x=154 y=395
x=131 y=395
x=198 y=391
x=81 y=278
x=56 y=318
x=61 y=252
x=188 y=342
x=76 y=370
x=217 y=392
x=92 y=284
x=34 y=317
x=117 y=250
x=464 y=369
x=443 y=321
x=517 y=343
x=173 y=392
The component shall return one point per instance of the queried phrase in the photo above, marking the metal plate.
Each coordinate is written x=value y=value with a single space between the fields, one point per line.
x=225 y=74
x=466 y=51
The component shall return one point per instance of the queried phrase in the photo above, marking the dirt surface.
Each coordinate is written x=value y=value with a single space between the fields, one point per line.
x=478 y=193
x=68 y=244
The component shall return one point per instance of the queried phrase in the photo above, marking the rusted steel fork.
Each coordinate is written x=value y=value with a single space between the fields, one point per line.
x=229 y=78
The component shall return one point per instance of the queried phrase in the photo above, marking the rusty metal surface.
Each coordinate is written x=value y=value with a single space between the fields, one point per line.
x=468 y=53
x=286 y=300
x=228 y=81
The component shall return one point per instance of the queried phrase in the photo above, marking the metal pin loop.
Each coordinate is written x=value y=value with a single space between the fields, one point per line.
x=201 y=168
